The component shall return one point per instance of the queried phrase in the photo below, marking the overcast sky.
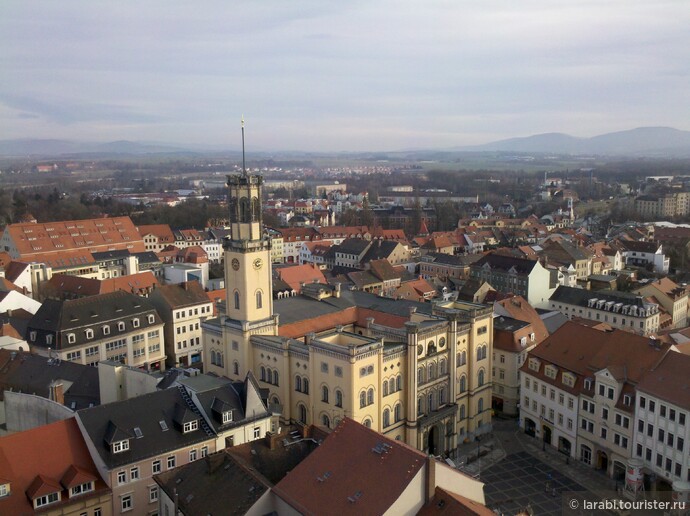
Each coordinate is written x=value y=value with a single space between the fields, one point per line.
x=341 y=75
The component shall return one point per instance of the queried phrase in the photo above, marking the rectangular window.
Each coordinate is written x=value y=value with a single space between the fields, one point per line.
x=153 y=494
x=134 y=474
x=156 y=467
x=192 y=455
x=171 y=462
x=126 y=503
x=204 y=451
x=121 y=477
x=257 y=432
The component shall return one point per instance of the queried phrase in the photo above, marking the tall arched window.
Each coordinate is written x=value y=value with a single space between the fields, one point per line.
x=256 y=209
x=480 y=405
x=298 y=383
x=420 y=406
x=338 y=398
x=462 y=411
x=398 y=383
x=386 y=418
x=237 y=300
x=259 y=300
x=430 y=403
x=367 y=423
x=262 y=375
x=269 y=376
x=302 y=414
x=235 y=367
x=370 y=396
x=420 y=375
x=213 y=356
x=325 y=421
x=391 y=385
x=480 y=377
x=432 y=372
x=275 y=378
x=442 y=367
x=324 y=394
x=305 y=386
x=362 y=399
x=219 y=359
x=385 y=388
x=398 y=412
x=463 y=383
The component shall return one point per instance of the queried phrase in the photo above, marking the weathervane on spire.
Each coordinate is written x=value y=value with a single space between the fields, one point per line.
x=244 y=168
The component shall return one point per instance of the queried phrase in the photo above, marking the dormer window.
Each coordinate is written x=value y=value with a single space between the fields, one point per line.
x=49 y=339
x=86 y=487
x=120 y=326
x=32 y=336
x=4 y=490
x=227 y=416
x=89 y=333
x=534 y=364
x=135 y=322
x=627 y=400
x=152 y=319
x=71 y=338
x=588 y=384
x=120 y=446
x=106 y=330
x=190 y=426
x=44 y=500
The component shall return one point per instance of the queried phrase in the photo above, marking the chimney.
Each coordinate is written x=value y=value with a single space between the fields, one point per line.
x=430 y=484
x=337 y=290
x=57 y=393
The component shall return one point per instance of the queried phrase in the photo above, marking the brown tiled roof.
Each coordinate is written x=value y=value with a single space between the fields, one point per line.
x=297 y=274
x=161 y=231
x=446 y=502
x=346 y=476
x=518 y=308
x=34 y=462
x=5 y=259
x=669 y=380
x=62 y=286
x=318 y=324
x=188 y=293
x=93 y=235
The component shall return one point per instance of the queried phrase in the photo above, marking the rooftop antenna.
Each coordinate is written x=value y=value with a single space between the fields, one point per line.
x=244 y=167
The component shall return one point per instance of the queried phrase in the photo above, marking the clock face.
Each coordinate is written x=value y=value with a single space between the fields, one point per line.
x=235 y=264
x=258 y=263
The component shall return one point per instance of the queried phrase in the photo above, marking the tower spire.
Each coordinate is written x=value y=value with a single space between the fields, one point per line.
x=244 y=167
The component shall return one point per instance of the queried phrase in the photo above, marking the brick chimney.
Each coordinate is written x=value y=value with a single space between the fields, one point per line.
x=57 y=393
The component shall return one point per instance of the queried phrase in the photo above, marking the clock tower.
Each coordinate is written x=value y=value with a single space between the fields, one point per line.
x=248 y=282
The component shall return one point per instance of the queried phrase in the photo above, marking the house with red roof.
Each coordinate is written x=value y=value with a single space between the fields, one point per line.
x=49 y=468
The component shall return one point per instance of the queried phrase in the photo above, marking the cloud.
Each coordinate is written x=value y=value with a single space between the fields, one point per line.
x=449 y=72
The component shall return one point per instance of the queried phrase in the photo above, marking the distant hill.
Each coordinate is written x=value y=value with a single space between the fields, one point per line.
x=643 y=141
x=57 y=148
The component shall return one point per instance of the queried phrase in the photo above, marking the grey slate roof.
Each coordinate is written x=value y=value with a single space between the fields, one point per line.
x=144 y=412
x=354 y=246
x=111 y=255
x=505 y=263
x=580 y=297
x=147 y=257
x=33 y=374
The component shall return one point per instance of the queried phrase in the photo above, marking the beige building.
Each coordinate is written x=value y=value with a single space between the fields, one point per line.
x=183 y=307
x=117 y=326
x=672 y=297
x=418 y=372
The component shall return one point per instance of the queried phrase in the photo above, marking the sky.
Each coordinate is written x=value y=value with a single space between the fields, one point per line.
x=325 y=76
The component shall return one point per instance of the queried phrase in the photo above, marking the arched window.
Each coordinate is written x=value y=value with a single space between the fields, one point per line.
x=420 y=406
x=275 y=378
x=385 y=388
x=367 y=423
x=325 y=421
x=269 y=376
x=370 y=369
x=213 y=356
x=362 y=399
x=462 y=411
x=256 y=209
x=398 y=383
x=298 y=383
x=338 y=398
x=432 y=372
x=480 y=377
x=302 y=414
x=259 y=300
x=420 y=375
x=386 y=418
x=219 y=359
x=442 y=367
x=262 y=373
x=480 y=405
x=391 y=385
x=235 y=367
x=324 y=394
x=462 y=358
x=430 y=402
x=305 y=385
x=431 y=348
x=398 y=412
x=463 y=383
x=244 y=209
x=370 y=396
x=442 y=396
x=237 y=300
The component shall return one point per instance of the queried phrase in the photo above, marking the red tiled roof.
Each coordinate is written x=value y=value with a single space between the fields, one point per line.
x=92 y=235
x=34 y=462
x=353 y=478
x=297 y=274
x=446 y=502
x=160 y=231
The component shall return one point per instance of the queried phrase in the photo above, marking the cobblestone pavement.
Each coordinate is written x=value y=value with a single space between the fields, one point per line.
x=519 y=474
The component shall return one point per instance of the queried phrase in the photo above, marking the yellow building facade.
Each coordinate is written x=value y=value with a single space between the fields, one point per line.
x=416 y=372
